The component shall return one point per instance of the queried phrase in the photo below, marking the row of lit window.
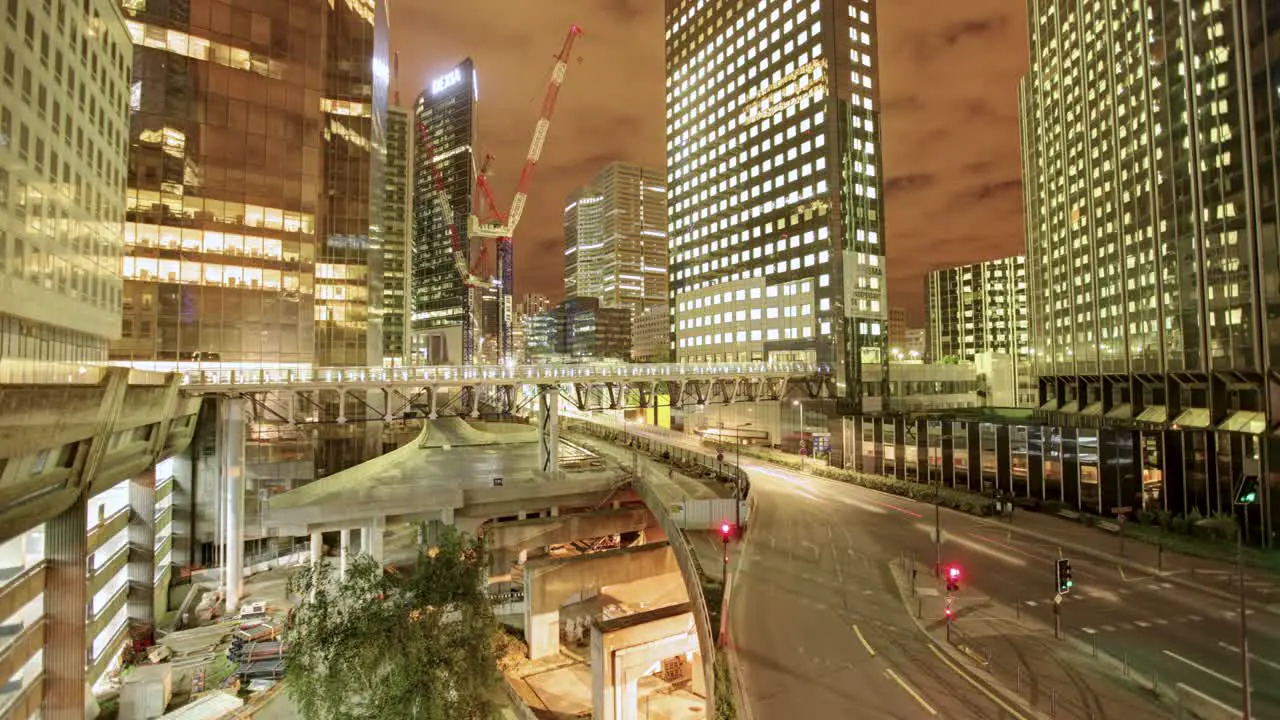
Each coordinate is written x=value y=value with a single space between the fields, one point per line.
x=187 y=272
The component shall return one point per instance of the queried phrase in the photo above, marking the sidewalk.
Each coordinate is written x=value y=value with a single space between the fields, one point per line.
x=1262 y=589
x=1052 y=678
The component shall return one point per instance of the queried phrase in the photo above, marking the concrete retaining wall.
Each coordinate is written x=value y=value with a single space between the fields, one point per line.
x=690 y=569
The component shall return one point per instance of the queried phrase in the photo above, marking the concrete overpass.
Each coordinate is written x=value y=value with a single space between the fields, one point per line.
x=69 y=433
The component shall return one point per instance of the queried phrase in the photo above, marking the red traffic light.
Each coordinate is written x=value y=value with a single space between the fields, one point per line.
x=725 y=528
x=953 y=573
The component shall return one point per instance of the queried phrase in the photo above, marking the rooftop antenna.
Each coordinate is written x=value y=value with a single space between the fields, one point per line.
x=395 y=76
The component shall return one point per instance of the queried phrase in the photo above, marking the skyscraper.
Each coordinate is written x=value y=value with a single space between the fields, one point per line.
x=978 y=308
x=254 y=183
x=615 y=238
x=444 y=308
x=773 y=169
x=66 y=77
x=583 y=245
x=395 y=236
x=1149 y=171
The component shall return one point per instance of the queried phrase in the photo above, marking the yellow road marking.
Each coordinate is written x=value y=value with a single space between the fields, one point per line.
x=870 y=650
x=976 y=684
x=910 y=691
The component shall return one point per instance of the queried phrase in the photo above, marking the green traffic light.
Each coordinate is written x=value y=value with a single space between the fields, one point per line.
x=1248 y=497
x=1069 y=583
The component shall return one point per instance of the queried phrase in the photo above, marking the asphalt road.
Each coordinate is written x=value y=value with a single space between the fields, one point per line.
x=820 y=629
x=814 y=567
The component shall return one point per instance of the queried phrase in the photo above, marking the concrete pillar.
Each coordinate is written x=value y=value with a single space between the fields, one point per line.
x=231 y=417
x=434 y=414
x=142 y=539
x=65 y=602
x=630 y=697
x=317 y=547
x=549 y=429
x=475 y=401
x=344 y=547
x=376 y=530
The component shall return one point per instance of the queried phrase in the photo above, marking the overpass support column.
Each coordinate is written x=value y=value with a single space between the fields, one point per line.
x=475 y=401
x=317 y=547
x=373 y=543
x=549 y=428
x=434 y=415
x=65 y=598
x=344 y=547
x=231 y=418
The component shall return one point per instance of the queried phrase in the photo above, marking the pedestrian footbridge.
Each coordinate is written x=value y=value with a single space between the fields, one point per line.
x=69 y=431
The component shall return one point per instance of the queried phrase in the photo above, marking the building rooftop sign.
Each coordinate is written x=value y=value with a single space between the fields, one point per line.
x=446 y=81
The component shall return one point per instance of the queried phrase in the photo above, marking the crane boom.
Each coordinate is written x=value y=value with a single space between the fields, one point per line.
x=506 y=228
x=444 y=206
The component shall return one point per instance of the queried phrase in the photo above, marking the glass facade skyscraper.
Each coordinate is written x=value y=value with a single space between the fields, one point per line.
x=254 y=182
x=978 y=308
x=444 y=309
x=615 y=232
x=776 y=228
x=63 y=148
x=395 y=236
x=1150 y=186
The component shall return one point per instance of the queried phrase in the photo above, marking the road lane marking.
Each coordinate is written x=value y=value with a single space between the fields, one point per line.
x=1091 y=631
x=1255 y=658
x=870 y=650
x=1187 y=688
x=1031 y=603
x=910 y=691
x=973 y=545
x=976 y=684
x=1108 y=628
x=1161 y=621
x=1193 y=618
x=904 y=511
x=1203 y=669
x=1142 y=623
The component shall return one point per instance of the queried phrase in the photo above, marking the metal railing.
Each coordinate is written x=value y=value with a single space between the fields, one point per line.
x=491 y=374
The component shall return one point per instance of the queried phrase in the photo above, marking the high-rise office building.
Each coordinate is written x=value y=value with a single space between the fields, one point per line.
x=1150 y=195
x=255 y=184
x=583 y=246
x=978 y=308
x=534 y=303
x=651 y=335
x=615 y=233
x=395 y=236
x=774 y=176
x=444 y=308
x=897 y=328
x=63 y=145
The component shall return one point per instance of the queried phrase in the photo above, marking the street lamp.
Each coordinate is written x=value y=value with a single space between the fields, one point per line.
x=800 y=405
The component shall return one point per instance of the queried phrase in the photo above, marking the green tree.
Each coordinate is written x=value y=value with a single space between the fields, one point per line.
x=416 y=643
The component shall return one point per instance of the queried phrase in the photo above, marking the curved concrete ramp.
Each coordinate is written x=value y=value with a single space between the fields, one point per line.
x=457 y=432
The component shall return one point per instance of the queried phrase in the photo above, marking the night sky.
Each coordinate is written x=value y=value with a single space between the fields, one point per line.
x=949 y=94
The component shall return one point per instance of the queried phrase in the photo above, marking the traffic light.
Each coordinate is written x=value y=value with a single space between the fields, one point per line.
x=726 y=531
x=953 y=579
x=1248 y=492
x=1064 y=576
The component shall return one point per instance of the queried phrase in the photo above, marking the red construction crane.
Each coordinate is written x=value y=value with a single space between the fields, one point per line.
x=503 y=225
x=498 y=225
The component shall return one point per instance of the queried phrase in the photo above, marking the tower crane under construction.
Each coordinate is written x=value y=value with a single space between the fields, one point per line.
x=488 y=221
